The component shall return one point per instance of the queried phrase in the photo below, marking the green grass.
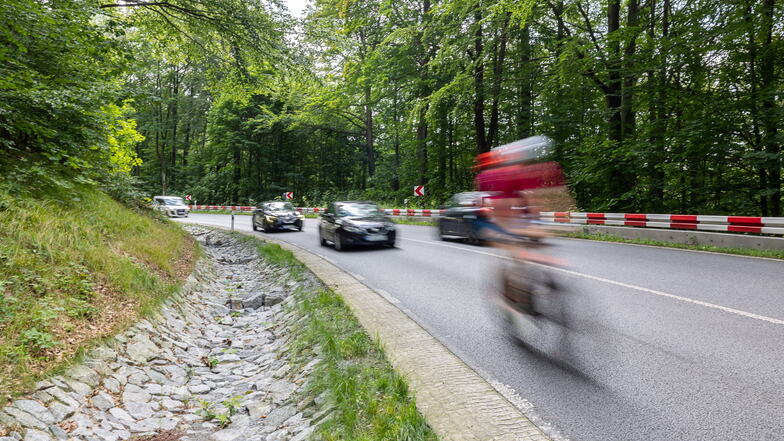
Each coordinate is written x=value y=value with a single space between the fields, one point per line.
x=370 y=400
x=239 y=213
x=74 y=273
x=423 y=222
x=773 y=254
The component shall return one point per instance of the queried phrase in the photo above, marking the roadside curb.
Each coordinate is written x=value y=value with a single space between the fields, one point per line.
x=456 y=401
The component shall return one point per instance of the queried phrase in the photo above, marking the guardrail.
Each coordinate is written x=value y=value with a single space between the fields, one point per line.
x=733 y=224
x=389 y=211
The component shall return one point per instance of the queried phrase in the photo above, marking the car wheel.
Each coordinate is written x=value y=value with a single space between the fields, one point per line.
x=339 y=246
x=391 y=244
x=472 y=238
x=441 y=234
x=253 y=225
x=322 y=241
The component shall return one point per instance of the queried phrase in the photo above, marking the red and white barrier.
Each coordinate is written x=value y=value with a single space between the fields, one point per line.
x=389 y=211
x=735 y=224
x=220 y=207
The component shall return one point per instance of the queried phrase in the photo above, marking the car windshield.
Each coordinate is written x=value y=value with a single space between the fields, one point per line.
x=358 y=210
x=280 y=206
x=173 y=201
x=468 y=199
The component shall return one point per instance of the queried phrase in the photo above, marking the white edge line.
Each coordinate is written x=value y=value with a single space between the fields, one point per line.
x=389 y=297
x=627 y=285
x=773 y=259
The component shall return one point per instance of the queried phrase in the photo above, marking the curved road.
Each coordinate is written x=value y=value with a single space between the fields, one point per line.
x=668 y=344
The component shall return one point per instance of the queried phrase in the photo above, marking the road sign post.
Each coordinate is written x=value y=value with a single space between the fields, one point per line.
x=419 y=190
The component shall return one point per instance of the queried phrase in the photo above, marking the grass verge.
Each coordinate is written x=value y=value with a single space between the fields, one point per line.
x=239 y=213
x=369 y=400
x=772 y=254
x=423 y=222
x=74 y=273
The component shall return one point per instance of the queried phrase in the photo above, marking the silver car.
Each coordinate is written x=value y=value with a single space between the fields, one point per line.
x=172 y=206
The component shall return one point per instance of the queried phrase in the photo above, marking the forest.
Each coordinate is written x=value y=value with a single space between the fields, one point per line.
x=654 y=105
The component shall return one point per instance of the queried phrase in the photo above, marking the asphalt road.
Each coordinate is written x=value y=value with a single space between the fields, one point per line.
x=667 y=344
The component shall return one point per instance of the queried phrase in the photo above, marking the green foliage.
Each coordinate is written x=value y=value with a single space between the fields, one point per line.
x=208 y=410
x=65 y=266
x=57 y=70
x=37 y=341
x=647 y=117
x=371 y=400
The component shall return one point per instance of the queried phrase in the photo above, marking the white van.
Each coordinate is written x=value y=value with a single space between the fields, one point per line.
x=173 y=206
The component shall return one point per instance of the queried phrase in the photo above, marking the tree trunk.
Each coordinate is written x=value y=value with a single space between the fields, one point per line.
x=769 y=115
x=762 y=174
x=396 y=142
x=614 y=93
x=658 y=112
x=525 y=87
x=479 y=84
x=173 y=119
x=498 y=72
x=629 y=76
x=369 y=151
x=421 y=143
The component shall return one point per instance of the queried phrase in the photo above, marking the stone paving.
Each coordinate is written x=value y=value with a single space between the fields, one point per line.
x=210 y=365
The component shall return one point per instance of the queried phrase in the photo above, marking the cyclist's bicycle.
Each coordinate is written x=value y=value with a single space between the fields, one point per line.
x=530 y=299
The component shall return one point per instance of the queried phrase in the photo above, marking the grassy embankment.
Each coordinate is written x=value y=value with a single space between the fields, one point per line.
x=772 y=254
x=370 y=401
x=74 y=273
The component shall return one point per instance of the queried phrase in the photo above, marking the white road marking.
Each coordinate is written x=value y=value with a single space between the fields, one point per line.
x=739 y=312
x=390 y=298
x=662 y=247
x=325 y=258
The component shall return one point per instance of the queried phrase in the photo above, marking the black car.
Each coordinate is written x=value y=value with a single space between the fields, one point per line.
x=460 y=220
x=276 y=215
x=349 y=223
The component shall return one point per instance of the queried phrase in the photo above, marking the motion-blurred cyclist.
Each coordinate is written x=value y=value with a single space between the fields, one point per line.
x=522 y=182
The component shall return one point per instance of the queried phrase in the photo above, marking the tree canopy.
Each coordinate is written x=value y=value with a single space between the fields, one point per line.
x=655 y=106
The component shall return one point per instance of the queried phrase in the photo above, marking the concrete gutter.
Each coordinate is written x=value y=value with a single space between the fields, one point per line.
x=723 y=240
x=457 y=402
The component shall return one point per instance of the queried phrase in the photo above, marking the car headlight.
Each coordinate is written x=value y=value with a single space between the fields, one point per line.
x=300 y=215
x=390 y=226
x=351 y=228
x=271 y=218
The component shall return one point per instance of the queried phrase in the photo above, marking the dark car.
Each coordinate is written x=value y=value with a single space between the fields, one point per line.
x=276 y=215
x=349 y=223
x=460 y=220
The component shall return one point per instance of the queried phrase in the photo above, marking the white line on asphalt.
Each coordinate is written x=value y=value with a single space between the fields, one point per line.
x=390 y=298
x=322 y=256
x=622 y=284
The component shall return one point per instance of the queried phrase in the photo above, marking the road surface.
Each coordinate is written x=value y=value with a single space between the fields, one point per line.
x=668 y=344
